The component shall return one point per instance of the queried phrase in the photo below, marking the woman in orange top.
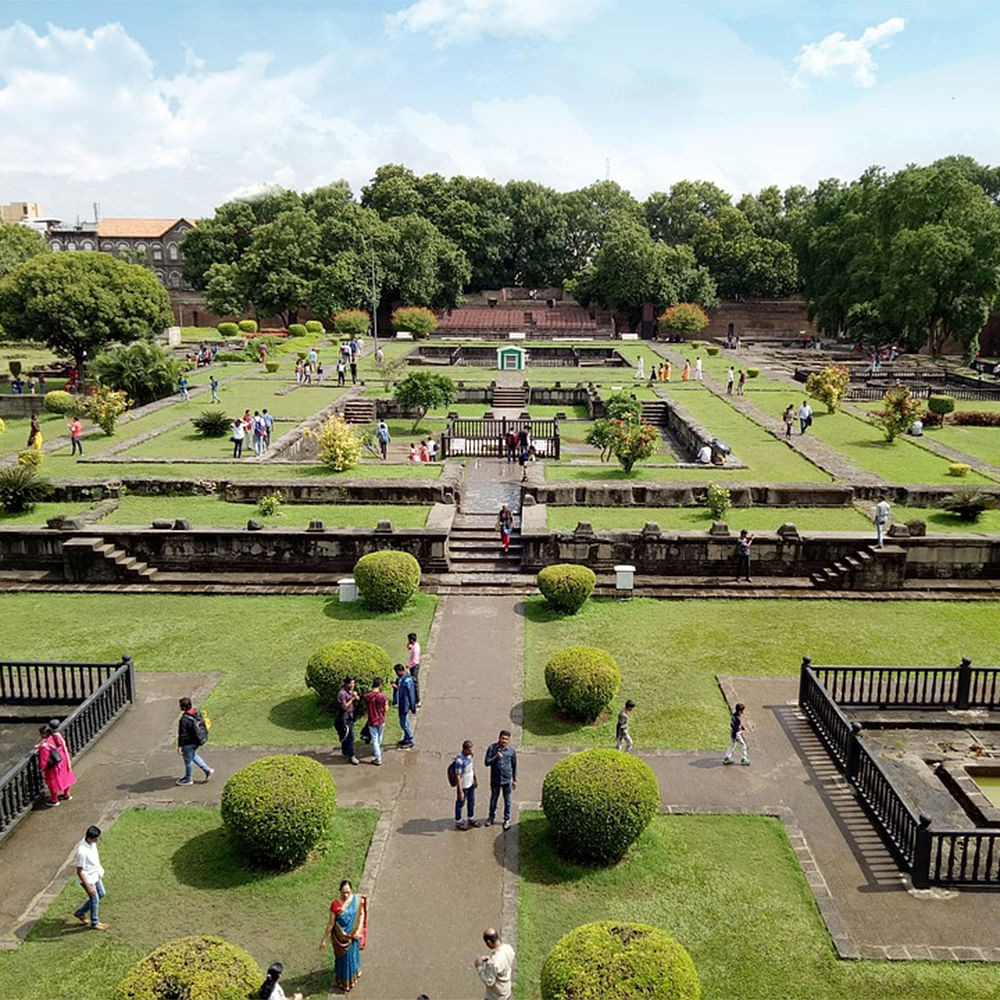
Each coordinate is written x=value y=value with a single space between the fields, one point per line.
x=686 y=372
x=666 y=371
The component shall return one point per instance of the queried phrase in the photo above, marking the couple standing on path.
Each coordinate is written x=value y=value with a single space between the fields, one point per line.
x=501 y=759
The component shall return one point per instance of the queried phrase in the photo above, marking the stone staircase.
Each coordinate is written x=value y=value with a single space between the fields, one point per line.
x=474 y=546
x=654 y=412
x=869 y=568
x=358 y=410
x=103 y=560
x=511 y=397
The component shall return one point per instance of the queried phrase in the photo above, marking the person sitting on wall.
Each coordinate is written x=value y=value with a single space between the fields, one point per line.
x=704 y=455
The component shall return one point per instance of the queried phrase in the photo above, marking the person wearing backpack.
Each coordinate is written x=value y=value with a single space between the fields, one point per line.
x=192 y=734
x=463 y=769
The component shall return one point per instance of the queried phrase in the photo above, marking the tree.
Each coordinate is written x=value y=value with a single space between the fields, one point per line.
x=476 y=219
x=676 y=216
x=635 y=442
x=416 y=319
x=339 y=444
x=589 y=212
x=829 y=386
x=352 y=323
x=80 y=302
x=18 y=244
x=685 y=316
x=424 y=391
x=534 y=255
x=899 y=411
x=143 y=370
x=104 y=406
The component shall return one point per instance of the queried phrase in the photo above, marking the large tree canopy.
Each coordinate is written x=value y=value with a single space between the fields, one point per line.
x=79 y=302
x=18 y=244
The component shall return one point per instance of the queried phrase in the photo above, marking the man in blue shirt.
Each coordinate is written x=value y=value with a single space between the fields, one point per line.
x=405 y=699
x=501 y=759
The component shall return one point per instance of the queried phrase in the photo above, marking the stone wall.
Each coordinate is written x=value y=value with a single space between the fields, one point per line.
x=684 y=494
x=760 y=319
x=24 y=405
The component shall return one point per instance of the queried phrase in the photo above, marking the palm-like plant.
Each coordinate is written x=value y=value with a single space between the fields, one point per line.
x=145 y=371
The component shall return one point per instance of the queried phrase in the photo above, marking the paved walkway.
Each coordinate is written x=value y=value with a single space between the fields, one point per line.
x=433 y=888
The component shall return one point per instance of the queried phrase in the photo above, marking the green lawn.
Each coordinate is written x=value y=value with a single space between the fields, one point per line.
x=171 y=873
x=203 y=511
x=979 y=442
x=698 y=519
x=730 y=889
x=941 y=521
x=260 y=645
x=671 y=651
x=249 y=468
x=903 y=461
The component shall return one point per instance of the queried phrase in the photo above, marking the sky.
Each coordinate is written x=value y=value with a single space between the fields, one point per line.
x=168 y=109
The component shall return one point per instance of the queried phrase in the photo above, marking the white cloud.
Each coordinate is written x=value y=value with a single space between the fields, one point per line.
x=458 y=20
x=837 y=53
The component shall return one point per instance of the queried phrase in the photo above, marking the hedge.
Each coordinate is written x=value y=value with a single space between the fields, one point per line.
x=582 y=681
x=272 y=366
x=387 y=580
x=613 y=960
x=228 y=330
x=330 y=664
x=60 y=401
x=297 y=330
x=598 y=802
x=279 y=808
x=248 y=326
x=566 y=586
x=192 y=968
x=314 y=326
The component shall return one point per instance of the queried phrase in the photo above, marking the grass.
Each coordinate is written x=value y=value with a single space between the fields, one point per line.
x=730 y=889
x=40 y=513
x=759 y=519
x=979 y=442
x=670 y=653
x=171 y=873
x=259 y=645
x=941 y=521
x=202 y=510
x=903 y=461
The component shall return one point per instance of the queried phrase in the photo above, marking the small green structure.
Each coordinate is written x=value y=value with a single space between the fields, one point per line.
x=511 y=358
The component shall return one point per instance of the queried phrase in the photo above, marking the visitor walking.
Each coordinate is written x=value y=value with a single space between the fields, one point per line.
x=413 y=665
x=881 y=518
x=505 y=525
x=354 y=367
x=405 y=701
x=347 y=701
x=259 y=433
x=640 y=369
x=271 y=989
x=623 y=739
x=496 y=968
x=501 y=759
x=697 y=369
x=35 y=434
x=789 y=418
x=55 y=763
x=182 y=387
x=91 y=875
x=192 y=735
x=213 y=384
x=805 y=416
x=238 y=435
x=384 y=437
x=376 y=704
x=743 y=544
x=341 y=371
x=730 y=381
x=741 y=383
x=510 y=445
x=268 y=427
x=76 y=437
x=466 y=782
x=736 y=731
x=347 y=930
x=686 y=371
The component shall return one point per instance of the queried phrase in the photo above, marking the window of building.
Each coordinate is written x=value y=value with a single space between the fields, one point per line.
x=172 y=251
x=56 y=245
x=175 y=279
x=157 y=251
x=160 y=277
x=87 y=245
x=70 y=246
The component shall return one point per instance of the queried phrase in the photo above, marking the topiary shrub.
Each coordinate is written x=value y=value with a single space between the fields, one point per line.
x=331 y=663
x=279 y=808
x=711 y=351
x=228 y=330
x=959 y=469
x=582 y=681
x=15 y=368
x=227 y=356
x=21 y=488
x=314 y=326
x=566 y=586
x=192 y=968
x=387 y=580
x=248 y=326
x=213 y=423
x=612 y=960
x=297 y=330
x=753 y=372
x=941 y=405
x=271 y=366
x=597 y=803
x=60 y=401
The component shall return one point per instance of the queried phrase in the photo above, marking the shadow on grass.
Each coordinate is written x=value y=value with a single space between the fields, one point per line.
x=540 y=717
x=53 y=928
x=301 y=715
x=538 y=862
x=210 y=861
x=355 y=611
x=314 y=984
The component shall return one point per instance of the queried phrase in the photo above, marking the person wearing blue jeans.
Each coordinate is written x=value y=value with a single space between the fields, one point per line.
x=190 y=730
x=464 y=767
x=501 y=759
x=376 y=704
x=405 y=699
x=90 y=873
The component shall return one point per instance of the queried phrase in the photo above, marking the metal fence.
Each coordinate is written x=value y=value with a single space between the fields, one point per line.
x=100 y=692
x=931 y=856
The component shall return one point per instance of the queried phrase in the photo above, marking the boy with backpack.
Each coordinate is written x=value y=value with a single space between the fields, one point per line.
x=192 y=734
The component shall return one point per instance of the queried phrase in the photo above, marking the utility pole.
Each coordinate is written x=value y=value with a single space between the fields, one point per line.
x=374 y=303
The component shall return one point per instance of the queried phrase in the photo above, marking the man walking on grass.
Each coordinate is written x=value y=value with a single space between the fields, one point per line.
x=90 y=873
x=501 y=759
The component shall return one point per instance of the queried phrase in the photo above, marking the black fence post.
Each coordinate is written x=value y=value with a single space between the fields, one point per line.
x=853 y=751
x=964 y=683
x=920 y=874
x=803 y=681
x=127 y=662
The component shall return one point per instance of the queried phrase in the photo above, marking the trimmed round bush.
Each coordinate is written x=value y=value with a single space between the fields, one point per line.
x=566 y=586
x=597 y=803
x=387 y=580
x=613 y=960
x=940 y=404
x=279 y=808
x=272 y=366
x=711 y=351
x=192 y=968
x=314 y=326
x=60 y=401
x=247 y=325
x=959 y=469
x=297 y=330
x=753 y=372
x=330 y=664
x=228 y=330
x=582 y=681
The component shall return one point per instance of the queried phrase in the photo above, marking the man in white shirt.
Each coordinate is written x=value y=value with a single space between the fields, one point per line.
x=704 y=455
x=465 y=787
x=881 y=518
x=496 y=969
x=90 y=873
x=697 y=369
x=805 y=416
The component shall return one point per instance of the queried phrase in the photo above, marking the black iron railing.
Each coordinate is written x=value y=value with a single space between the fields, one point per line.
x=100 y=691
x=479 y=438
x=931 y=856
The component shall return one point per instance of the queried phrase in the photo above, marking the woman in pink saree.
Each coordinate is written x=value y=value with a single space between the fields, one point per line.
x=55 y=762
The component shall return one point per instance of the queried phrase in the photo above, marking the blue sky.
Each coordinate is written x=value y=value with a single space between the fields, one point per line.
x=167 y=109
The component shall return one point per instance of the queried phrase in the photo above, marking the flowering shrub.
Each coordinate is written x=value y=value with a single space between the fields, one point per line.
x=30 y=458
x=635 y=443
x=900 y=410
x=339 y=444
x=717 y=499
x=418 y=320
x=104 y=406
x=829 y=386
x=351 y=322
x=268 y=504
x=685 y=316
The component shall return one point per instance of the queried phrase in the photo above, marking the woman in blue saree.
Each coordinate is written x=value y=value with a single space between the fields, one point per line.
x=347 y=930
